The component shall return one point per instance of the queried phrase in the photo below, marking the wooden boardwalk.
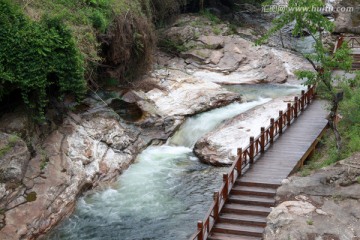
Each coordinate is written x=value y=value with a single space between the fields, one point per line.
x=241 y=206
x=291 y=149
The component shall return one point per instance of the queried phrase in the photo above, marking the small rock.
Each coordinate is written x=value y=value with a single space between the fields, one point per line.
x=302 y=197
x=285 y=181
x=212 y=42
x=321 y=212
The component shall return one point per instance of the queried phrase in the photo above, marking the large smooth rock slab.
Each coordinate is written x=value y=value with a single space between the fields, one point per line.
x=220 y=146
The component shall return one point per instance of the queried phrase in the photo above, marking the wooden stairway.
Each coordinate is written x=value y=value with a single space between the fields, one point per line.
x=356 y=63
x=243 y=216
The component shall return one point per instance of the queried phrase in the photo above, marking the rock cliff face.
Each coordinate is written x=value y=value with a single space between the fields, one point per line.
x=210 y=52
x=348 y=21
x=323 y=205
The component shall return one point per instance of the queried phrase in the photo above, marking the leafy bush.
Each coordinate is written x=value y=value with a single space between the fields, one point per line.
x=37 y=56
x=350 y=110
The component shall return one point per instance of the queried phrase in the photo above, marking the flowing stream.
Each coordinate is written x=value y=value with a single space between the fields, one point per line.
x=166 y=190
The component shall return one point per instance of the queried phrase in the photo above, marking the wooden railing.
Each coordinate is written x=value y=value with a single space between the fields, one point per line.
x=248 y=155
x=353 y=42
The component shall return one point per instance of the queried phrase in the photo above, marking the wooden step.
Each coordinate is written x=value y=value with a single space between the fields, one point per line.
x=243 y=219
x=252 y=200
x=238 y=229
x=236 y=208
x=256 y=184
x=224 y=236
x=251 y=190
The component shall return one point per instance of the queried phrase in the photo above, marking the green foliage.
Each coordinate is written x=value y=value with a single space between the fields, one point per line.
x=5 y=150
x=31 y=196
x=350 y=110
x=306 y=17
x=216 y=30
x=310 y=222
x=35 y=56
x=12 y=140
x=11 y=143
x=44 y=159
x=213 y=19
x=295 y=12
x=161 y=11
x=171 y=46
x=232 y=29
x=349 y=127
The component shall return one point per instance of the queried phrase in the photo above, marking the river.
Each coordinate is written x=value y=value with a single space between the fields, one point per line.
x=167 y=189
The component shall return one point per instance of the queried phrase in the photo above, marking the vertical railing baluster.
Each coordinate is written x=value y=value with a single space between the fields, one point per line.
x=302 y=100
x=216 y=206
x=239 y=162
x=226 y=186
x=262 y=140
x=296 y=107
x=200 y=228
x=288 y=114
x=252 y=150
x=272 y=122
x=280 y=122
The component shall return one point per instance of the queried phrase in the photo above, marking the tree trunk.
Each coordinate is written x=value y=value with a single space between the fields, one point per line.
x=333 y=122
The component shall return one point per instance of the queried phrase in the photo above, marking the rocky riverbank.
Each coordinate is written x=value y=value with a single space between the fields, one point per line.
x=323 y=205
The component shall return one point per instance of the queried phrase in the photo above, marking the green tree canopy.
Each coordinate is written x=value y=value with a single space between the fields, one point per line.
x=35 y=56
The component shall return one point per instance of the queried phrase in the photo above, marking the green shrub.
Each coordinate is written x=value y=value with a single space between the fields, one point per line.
x=37 y=56
x=212 y=18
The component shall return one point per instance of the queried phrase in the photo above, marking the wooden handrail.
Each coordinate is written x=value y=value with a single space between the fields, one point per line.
x=248 y=155
x=353 y=42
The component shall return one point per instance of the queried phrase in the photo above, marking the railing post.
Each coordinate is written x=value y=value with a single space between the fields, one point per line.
x=272 y=123
x=313 y=92
x=288 y=114
x=308 y=94
x=200 y=226
x=252 y=140
x=262 y=140
x=296 y=107
x=302 y=100
x=216 y=208
x=226 y=185
x=239 y=161
x=280 y=122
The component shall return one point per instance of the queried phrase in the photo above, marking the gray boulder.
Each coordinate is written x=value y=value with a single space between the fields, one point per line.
x=14 y=158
